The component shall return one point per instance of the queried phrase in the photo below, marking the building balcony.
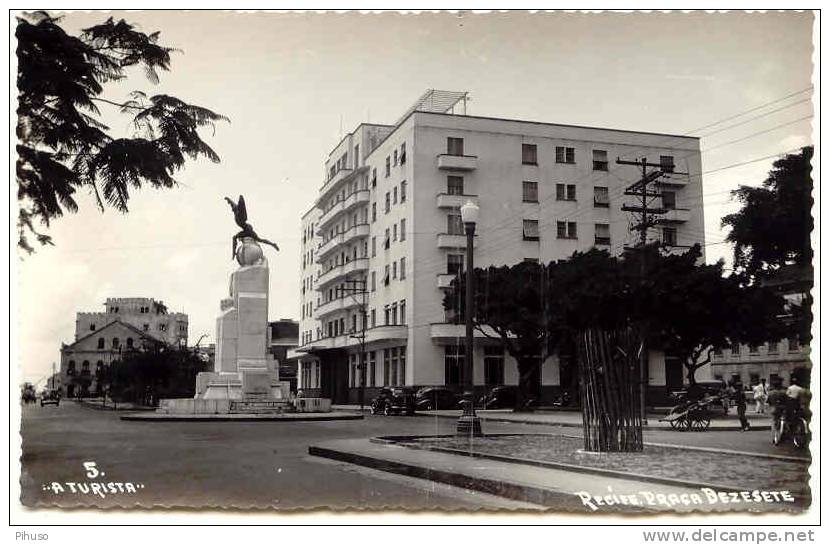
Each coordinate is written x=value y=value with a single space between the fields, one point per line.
x=335 y=305
x=676 y=215
x=446 y=240
x=335 y=182
x=444 y=200
x=444 y=281
x=355 y=265
x=352 y=340
x=360 y=230
x=457 y=162
x=352 y=200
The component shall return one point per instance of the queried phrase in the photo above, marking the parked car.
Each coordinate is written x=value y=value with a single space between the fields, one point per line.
x=435 y=397
x=50 y=397
x=394 y=401
x=503 y=397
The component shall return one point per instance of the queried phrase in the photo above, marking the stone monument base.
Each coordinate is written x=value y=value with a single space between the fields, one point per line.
x=254 y=391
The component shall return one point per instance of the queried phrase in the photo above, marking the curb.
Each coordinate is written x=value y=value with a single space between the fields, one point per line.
x=541 y=496
x=236 y=418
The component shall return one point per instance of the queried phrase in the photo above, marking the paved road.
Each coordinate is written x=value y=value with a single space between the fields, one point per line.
x=257 y=464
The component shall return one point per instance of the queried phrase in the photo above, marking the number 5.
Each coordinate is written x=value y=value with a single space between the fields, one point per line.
x=91 y=470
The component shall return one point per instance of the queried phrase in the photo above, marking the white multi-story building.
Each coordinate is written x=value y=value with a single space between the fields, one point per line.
x=387 y=219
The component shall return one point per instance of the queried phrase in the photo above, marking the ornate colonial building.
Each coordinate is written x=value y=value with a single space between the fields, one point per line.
x=103 y=337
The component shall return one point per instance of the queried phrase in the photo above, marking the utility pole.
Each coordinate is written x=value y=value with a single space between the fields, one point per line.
x=354 y=288
x=647 y=218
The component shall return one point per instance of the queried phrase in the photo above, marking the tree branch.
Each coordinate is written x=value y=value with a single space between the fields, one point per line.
x=124 y=105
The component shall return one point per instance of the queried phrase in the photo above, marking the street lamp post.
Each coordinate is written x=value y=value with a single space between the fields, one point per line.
x=469 y=424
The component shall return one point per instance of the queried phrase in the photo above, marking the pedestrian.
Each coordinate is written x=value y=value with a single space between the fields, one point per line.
x=761 y=394
x=740 y=404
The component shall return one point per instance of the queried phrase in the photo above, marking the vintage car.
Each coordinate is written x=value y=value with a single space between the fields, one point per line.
x=394 y=401
x=50 y=397
x=503 y=397
x=432 y=398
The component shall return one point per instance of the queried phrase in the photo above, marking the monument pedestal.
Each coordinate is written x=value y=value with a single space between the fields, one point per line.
x=241 y=372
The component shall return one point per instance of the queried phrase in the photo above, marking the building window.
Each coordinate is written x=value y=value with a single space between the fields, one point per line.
x=454 y=224
x=565 y=192
x=395 y=195
x=386 y=358
x=115 y=342
x=455 y=185
x=736 y=349
x=373 y=316
x=772 y=347
x=374 y=212
x=394 y=367
x=793 y=345
x=388 y=205
x=162 y=327
x=92 y=327
x=387 y=239
x=403 y=268
x=564 y=155
x=374 y=278
x=403 y=153
x=493 y=365
x=602 y=234
x=667 y=163
x=402 y=309
x=753 y=348
x=565 y=229
x=669 y=200
x=374 y=246
x=530 y=229
x=146 y=327
x=395 y=232
x=453 y=364
x=530 y=192
x=529 y=154
x=395 y=158
x=669 y=236
x=372 y=368
x=101 y=344
x=600 y=159
x=387 y=166
x=402 y=363
x=403 y=191
x=394 y=269
x=386 y=275
x=455 y=264
x=601 y=197
x=374 y=177
x=455 y=146
x=403 y=229
x=129 y=342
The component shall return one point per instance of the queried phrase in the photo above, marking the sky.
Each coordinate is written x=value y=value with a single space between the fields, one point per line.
x=292 y=84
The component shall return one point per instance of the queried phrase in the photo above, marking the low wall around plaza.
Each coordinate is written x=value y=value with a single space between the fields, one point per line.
x=195 y=406
x=312 y=405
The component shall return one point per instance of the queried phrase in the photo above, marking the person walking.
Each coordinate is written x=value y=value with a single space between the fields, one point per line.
x=761 y=393
x=740 y=404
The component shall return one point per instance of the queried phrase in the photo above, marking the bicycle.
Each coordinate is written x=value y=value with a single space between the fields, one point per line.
x=794 y=427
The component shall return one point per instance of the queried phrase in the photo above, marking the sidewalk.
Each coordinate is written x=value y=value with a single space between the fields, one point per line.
x=555 y=488
x=574 y=419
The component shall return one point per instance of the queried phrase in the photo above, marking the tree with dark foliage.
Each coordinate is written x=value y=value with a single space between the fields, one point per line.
x=63 y=145
x=146 y=376
x=771 y=232
x=773 y=227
